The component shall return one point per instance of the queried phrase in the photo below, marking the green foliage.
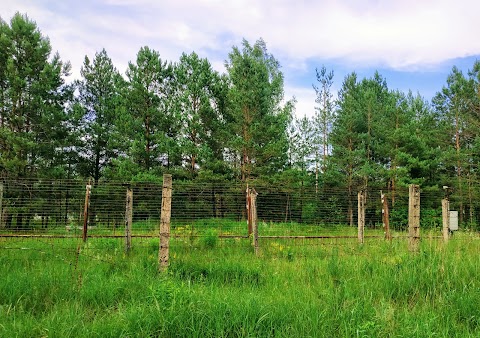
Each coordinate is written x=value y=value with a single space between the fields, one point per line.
x=361 y=126
x=379 y=289
x=151 y=124
x=258 y=122
x=210 y=239
x=227 y=273
x=198 y=99
x=456 y=106
x=33 y=96
x=399 y=218
x=309 y=212
x=323 y=119
x=431 y=218
x=98 y=104
x=302 y=149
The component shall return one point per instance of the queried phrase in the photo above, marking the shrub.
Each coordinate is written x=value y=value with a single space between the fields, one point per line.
x=210 y=239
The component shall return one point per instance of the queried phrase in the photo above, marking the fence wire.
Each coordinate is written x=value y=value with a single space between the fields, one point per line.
x=306 y=217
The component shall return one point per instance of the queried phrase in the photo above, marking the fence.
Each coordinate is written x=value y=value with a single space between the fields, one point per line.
x=82 y=209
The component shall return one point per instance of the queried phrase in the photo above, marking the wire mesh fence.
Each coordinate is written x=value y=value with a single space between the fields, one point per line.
x=63 y=208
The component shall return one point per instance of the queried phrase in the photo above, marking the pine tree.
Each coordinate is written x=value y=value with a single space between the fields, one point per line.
x=153 y=126
x=33 y=95
x=98 y=103
x=196 y=96
x=323 y=119
x=455 y=105
x=259 y=120
x=347 y=152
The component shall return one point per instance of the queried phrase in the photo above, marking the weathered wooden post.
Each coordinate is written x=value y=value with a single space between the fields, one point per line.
x=88 y=191
x=446 y=219
x=361 y=215
x=253 y=217
x=413 y=217
x=165 y=223
x=385 y=216
x=128 y=219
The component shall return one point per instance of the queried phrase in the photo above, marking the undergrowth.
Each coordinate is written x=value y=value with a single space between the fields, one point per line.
x=64 y=288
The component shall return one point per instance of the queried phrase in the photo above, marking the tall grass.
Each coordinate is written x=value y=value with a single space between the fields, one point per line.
x=64 y=288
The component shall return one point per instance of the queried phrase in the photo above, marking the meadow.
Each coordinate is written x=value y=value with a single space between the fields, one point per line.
x=218 y=287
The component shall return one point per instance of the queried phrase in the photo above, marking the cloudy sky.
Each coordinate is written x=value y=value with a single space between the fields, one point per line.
x=412 y=43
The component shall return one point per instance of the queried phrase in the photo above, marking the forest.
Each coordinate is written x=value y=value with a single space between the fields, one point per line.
x=184 y=118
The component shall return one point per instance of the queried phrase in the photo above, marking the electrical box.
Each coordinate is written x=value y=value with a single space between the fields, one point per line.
x=453 y=221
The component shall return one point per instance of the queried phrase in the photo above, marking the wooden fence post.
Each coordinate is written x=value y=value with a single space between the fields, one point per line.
x=128 y=219
x=446 y=219
x=361 y=215
x=252 y=212
x=385 y=216
x=88 y=191
x=2 y=225
x=165 y=223
x=413 y=217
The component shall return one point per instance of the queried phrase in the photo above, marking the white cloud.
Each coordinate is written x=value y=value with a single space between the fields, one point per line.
x=407 y=34
x=394 y=33
x=397 y=34
x=305 y=97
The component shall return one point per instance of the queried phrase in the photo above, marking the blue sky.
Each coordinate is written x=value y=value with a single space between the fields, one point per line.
x=412 y=43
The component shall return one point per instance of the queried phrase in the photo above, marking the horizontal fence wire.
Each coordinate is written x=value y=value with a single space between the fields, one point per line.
x=201 y=211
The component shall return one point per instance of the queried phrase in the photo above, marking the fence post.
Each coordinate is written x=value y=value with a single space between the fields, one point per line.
x=361 y=215
x=128 y=219
x=252 y=215
x=413 y=217
x=165 y=223
x=1 y=206
x=88 y=191
x=249 y=215
x=446 y=219
x=385 y=216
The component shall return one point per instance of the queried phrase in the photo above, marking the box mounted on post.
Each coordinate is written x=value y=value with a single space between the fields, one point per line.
x=453 y=220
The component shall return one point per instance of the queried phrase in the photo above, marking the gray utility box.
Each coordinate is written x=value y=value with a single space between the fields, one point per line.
x=453 y=221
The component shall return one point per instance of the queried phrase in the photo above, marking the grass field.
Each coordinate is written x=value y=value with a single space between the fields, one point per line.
x=219 y=288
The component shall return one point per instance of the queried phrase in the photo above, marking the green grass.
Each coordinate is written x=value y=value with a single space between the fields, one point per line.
x=223 y=227
x=219 y=288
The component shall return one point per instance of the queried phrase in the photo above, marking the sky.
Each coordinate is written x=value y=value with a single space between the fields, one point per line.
x=413 y=44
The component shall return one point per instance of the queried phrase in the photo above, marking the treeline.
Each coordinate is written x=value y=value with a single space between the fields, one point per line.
x=178 y=117
x=186 y=119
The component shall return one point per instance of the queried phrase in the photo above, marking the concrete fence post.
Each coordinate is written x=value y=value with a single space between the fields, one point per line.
x=446 y=219
x=414 y=217
x=128 y=219
x=362 y=198
x=163 y=253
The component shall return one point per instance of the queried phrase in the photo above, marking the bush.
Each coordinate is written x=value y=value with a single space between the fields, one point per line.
x=210 y=239
x=399 y=218
x=431 y=218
